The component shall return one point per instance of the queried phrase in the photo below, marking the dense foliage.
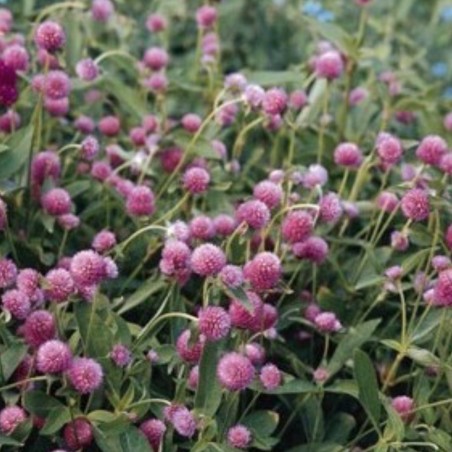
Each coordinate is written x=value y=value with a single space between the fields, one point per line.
x=225 y=226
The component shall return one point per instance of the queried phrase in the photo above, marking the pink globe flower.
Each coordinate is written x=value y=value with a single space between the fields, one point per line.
x=431 y=150
x=57 y=85
x=447 y=237
x=206 y=16
x=156 y=23
x=235 y=371
x=57 y=108
x=446 y=163
x=196 y=180
x=121 y=355
x=224 y=225
x=103 y=241
x=399 y=241
x=269 y=193
x=320 y=375
x=189 y=352
x=10 y=121
x=101 y=171
x=440 y=263
x=109 y=126
x=270 y=377
x=6 y=20
x=245 y=317
x=176 y=260
x=316 y=175
x=264 y=271
x=202 y=228
x=56 y=201
x=87 y=70
x=254 y=96
x=59 y=285
x=8 y=273
x=157 y=83
x=297 y=226
x=50 y=36
x=85 y=375
x=102 y=10
x=275 y=101
x=207 y=260
x=10 y=418
x=16 y=57
x=448 y=122
x=313 y=249
x=327 y=322
x=389 y=148
x=156 y=58
x=348 y=155
x=39 y=327
x=298 y=99
x=357 y=95
x=404 y=406
x=45 y=165
x=53 y=357
x=255 y=352
x=153 y=430
x=329 y=65
x=68 y=221
x=87 y=268
x=140 y=201
x=330 y=208
x=254 y=213
x=231 y=276
x=17 y=303
x=214 y=323
x=28 y=283
x=415 y=204
x=78 y=434
x=191 y=122
x=184 y=422
x=443 y=288
x=387 y=201
x=239 y=436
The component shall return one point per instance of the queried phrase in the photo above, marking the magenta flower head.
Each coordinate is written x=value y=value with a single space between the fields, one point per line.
x=176 y=260
x=446 y=163
x=57 y=85
x=78 y=434
x=102 y=10
x=153 y=430
x=320 y=375
x=313 y=249
x=297 y=226
x=254 y=96
x=389 y=148
x=140 y=201
x=448 y=122
x=103 y=241
x=89 y=147
x=330 y=208
x=202 y=227
x=157 y=83
x=183 y=422
x=28 y=283
x=447 y=237
x=156 y=58
x=39 y=328
x=404 y=406
x=196 y=180
x=275 y=101
x=431 y=150
x=231 y=276
x=193 y=378
x=88 y=268
x=264 y=271
x=53 y=357
x=415 y=204
x=101 y=171
x=10 y=418
x=50 y=36
x=440 y=263
x=269 y=193
x=224 y=225
x=109 y=126
x=8 y=85
x=254 y=213
x=87 y=70
x=156 y=23
x=57 y=108
x=45 y=165
x=17 y=303
x=239 y=436
x=68 y=221
x=442 y=294
x=59 y=285
x=235 y=371
x=357 y=95
x=121 y=355
x=85 y=375
x=270 y=377
x=8 y=273
x=206 y=16
x=10 y=121
x=387 y=201
x=16 y=57
x=298 y=99
x=207 y=260
x=399 y=241
x=214 y=323
x=327 y=322
x=191 y=353
x=242 y=317
x=191 y=122
x=316 y=175
x=6 y=20
x=56 y=201
x=348 y=155
x=329 y=65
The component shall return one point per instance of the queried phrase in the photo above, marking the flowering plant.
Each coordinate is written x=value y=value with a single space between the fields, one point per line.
x=213 y=242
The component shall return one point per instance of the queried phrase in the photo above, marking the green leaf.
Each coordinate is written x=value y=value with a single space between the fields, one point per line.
x=78 y=187
x=262 y=422
x=20 y=145
x=146 y=289
x=355 y=338
x=339 y=427
x=348 y=387
x=8 y=441
x=294 y=387
x=395 y=427
x=55 y=420
x=423 y=357
x=202 y=148
x=273 y=78
x=129 y=440
x=428 y=325
x=11 y=358
x=208 y=394
x=318 y=447
x=41 y=404
x=368 y=386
